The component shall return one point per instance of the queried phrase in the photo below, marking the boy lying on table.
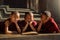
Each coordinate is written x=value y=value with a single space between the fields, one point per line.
x=28 y=24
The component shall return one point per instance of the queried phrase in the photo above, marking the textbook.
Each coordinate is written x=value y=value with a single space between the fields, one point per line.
x=30 y=33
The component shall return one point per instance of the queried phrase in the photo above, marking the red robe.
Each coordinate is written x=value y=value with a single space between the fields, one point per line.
x=49 y=27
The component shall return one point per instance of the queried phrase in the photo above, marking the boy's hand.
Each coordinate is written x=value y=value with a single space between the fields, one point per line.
x=32 y=27
x=39 y=26
x=7 y=23
x=25 y=27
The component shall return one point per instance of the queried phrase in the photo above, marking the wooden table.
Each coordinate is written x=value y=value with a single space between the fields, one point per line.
x=54 y=36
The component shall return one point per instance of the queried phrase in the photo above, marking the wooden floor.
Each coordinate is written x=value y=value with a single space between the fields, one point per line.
x=30 y=37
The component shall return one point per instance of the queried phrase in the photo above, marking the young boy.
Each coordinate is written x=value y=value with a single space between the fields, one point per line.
x=47 y=24
x=11 y=24
x=28 y=24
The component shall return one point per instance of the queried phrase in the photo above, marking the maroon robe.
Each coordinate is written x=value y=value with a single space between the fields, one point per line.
x=23 y=23
x=49 y=27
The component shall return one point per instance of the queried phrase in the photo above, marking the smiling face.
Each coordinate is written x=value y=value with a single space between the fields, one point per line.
x=14 y=16
x=43 y=17
x=28 y=18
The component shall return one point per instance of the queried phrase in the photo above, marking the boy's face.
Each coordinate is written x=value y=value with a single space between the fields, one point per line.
x=12 y=18
x=15 y=17
x=43 y=17
x=28 y=18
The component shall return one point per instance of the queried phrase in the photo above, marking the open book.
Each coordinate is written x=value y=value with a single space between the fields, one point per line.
x=30 y=33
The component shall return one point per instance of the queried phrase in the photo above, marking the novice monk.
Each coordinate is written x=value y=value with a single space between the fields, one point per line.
x=11 y=24
x=47 y=24
x=28 y=24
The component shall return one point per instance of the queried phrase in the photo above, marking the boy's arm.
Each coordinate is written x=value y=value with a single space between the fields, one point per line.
x=24 y=29
x=18 y=28
x=39 y=26
x=32 y=27
x=7 y=28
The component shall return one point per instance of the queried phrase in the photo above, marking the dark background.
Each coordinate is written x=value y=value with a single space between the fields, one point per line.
x=16 y=3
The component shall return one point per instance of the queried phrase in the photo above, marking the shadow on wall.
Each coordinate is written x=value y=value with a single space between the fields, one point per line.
x=54 y=7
